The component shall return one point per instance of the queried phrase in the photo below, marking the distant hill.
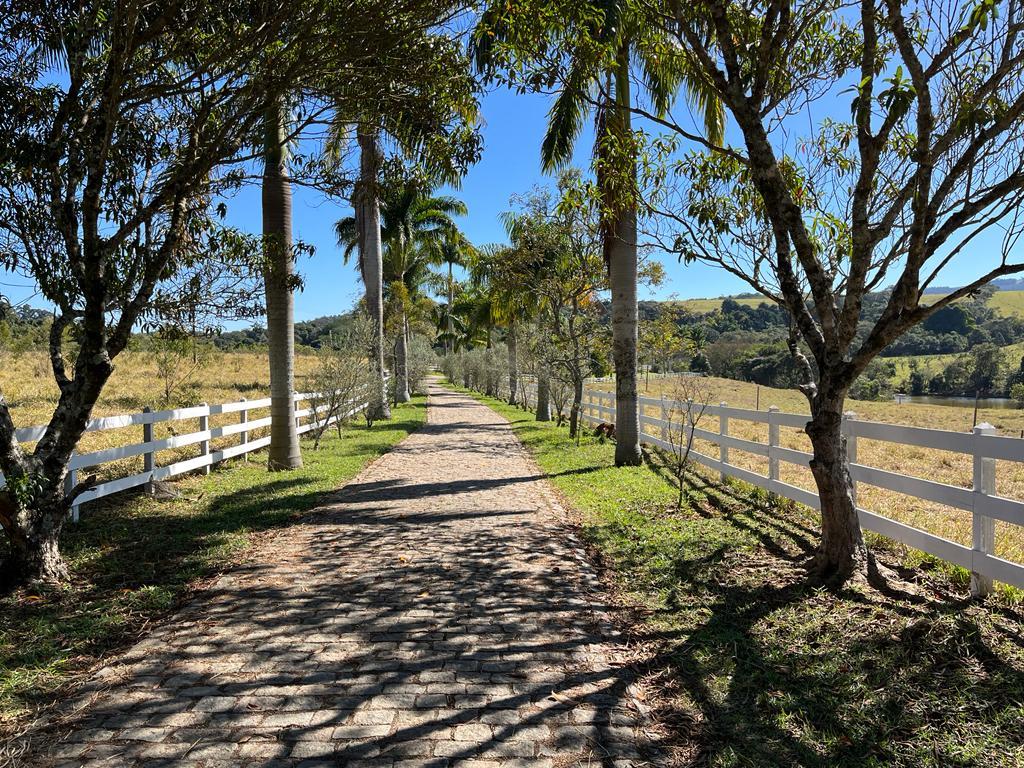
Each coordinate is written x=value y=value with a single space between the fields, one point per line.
x=308 y=333
x=1007 y=299
x=1000 y=284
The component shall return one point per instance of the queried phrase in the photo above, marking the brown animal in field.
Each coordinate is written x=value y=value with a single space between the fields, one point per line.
x=605 y=431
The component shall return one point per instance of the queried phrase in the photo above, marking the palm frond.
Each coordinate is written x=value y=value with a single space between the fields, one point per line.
x=566 y=118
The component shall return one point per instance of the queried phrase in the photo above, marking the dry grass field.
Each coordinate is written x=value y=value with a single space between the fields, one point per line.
x=222 y=377
x=942 y=466
x=710 y=305
x=1008 y=302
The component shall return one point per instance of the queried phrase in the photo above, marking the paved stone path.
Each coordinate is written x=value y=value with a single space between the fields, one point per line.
x=438 y=612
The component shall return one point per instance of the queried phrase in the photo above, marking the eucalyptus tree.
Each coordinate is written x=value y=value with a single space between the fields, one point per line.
x=119 y=119
x=556 y=259
x=590 y=53
x=922 y=164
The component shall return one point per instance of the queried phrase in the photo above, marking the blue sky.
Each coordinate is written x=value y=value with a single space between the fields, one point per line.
x=513 y=129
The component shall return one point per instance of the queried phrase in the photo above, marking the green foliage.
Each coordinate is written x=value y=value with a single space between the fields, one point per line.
x=875 y=383
x=1017 y=393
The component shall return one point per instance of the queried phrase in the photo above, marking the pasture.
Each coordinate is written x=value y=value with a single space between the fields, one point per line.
x=137 y=382
x=942 y=466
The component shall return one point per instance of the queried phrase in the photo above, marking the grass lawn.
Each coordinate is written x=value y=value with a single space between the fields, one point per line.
x=134 y=559
x=751 y=666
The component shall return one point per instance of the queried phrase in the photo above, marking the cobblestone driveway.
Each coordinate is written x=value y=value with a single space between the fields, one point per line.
x=438 y=612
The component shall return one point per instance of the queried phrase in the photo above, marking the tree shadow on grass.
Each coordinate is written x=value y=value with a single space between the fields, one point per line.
x=765 y=669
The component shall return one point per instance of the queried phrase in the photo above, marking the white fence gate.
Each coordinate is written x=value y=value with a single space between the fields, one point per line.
x=981 y=500
x=306 y=419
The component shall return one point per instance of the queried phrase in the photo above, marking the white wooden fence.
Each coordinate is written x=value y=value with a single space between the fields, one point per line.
x=306 y=418
x=981 y=500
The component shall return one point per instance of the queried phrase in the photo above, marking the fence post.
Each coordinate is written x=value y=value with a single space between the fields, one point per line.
x=773 y=443
x=664 y=420
x=984 y=528
x=723 y=450
x=243 y=418
x=204 y=445
x=851 y=449
x=70 y=481
x=688 y=425
x=149 y=457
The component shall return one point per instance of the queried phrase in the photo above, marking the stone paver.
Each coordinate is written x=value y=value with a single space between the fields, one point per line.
x=438 y=612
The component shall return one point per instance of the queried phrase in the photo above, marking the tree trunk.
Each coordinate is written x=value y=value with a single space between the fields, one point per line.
x=402 y=363
x=513 y=364
x=33 y=536
x=449 y=343
x=371 y=263
x=543 y=394
x=842 y=552
x=621 y=251
x=577 y=406
x=284 y=451
x=33 y=528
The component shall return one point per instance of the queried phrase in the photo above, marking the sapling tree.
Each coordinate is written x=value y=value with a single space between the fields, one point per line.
x=689 y=401
x=117 y=120
x=178 y=358
x=560 y=390
x=876 y=143
x=342 y=380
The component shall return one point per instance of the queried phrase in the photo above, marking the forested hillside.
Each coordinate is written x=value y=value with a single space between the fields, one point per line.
x=963 y=349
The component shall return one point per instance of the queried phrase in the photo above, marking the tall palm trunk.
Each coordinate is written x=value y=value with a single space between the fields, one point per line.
x=371 y=262
x=621 y=251
x=284 y=452
x=451 y=300
x=402 y=362
x=513 y=363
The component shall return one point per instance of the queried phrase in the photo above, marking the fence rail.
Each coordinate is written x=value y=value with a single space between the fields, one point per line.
x=981 y=500
x=306 y=419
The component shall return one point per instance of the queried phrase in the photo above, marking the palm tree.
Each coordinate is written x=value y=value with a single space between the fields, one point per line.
x=366 y=204
x=413 y=222
x=598 y=77
x=452 y=251
x=278 y=277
